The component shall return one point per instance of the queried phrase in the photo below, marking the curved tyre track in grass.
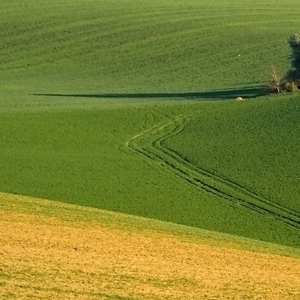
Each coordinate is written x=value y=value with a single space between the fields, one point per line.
x=150 y=143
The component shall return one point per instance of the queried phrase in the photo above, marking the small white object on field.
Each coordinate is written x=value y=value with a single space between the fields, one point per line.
x=239 y=99
x=239 y=54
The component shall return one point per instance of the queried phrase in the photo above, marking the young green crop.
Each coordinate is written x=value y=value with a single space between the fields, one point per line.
x=254 y=144
x=81 y=157
x=86 y=46
x=82 y=79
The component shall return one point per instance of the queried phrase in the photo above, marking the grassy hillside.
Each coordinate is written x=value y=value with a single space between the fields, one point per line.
x=254 y=144
x=87 y=46
x=57 y=251
x=82 y=157
x=89 y=89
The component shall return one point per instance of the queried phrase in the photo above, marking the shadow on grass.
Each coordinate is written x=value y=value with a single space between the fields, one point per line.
x=244 y=92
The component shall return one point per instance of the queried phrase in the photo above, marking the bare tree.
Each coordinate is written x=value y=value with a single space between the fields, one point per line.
x=275 y=83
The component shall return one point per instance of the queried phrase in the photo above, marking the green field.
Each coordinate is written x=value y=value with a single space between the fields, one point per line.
x=129 y=106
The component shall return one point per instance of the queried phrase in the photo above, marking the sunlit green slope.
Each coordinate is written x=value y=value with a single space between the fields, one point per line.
x=90 y=89
x=151 y=46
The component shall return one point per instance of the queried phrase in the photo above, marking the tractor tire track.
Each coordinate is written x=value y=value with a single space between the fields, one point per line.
x=150 y=143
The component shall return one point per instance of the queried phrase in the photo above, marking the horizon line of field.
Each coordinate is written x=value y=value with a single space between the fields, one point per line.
x=150 y=143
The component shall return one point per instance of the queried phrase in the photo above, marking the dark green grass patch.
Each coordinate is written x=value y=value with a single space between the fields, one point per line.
x=80 y=157
x=253 y=144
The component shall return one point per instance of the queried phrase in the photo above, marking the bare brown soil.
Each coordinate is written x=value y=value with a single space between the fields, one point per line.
x=72 y=257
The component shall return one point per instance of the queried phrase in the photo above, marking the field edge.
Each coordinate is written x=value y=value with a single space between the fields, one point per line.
x=82 y=216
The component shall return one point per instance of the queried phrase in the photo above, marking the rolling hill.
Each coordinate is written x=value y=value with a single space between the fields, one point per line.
x=127 y=110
